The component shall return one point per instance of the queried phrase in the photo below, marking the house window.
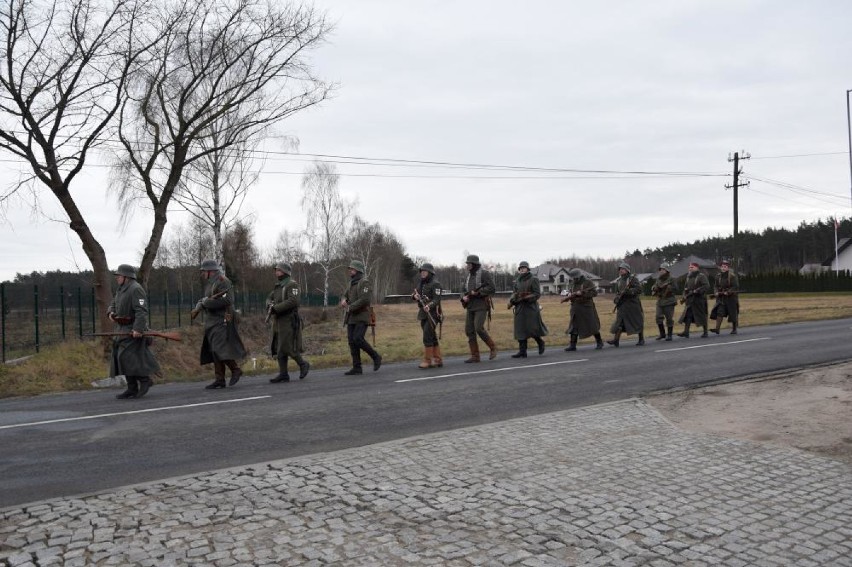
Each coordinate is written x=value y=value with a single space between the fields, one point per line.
x=561 y=278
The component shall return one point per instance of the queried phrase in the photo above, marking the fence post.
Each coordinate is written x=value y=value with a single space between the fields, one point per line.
x=94 y=328
x=35 y=312
x=3 y=307
x=62 y=308
x=80 y=310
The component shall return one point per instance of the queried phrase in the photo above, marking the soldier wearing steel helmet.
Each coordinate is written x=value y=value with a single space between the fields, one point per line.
x=427 y=294
x=478 y=289
x=727 y=298
x=356 y=303
x=524 y=300
x=222 y=344
x=283 y=307
x=583 y=319
x=130 y=353
x=629 y=317
x=695 y=292
x=665 y=291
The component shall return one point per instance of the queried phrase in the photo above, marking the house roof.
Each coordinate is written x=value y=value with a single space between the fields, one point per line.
x=842 y=245
x=681 y=267
x=548 y=272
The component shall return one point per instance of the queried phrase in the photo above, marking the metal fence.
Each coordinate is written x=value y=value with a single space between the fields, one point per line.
x=32 y=318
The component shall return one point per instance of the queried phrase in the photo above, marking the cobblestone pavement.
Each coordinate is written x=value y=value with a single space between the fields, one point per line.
x=614 y=484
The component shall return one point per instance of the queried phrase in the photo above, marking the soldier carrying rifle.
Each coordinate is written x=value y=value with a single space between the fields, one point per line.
x=476 y=300
x=356 y=304
x=629 y=317
x=524 y=299
x=222 y=343
x=727 y=298
x=695 y=298
x=130 y=353
x=583 y=319
x=665 y=292
x=427 y=294
x=282 y=307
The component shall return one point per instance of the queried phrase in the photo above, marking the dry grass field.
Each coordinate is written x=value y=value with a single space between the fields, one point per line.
x=73 y=365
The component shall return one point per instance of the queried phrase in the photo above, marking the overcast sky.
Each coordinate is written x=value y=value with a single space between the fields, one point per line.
x=663 y=87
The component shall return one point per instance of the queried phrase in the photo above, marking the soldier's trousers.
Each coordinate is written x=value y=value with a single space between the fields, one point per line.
x=474 y=324
x=665 y=315
x=355 y=334
x=430 y=335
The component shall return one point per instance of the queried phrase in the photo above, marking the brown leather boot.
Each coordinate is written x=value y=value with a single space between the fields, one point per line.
x=493 y=354
x=437 y=359
x=427 y=358
x=474 y=351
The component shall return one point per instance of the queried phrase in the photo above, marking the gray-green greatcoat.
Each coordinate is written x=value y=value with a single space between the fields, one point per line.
x=525 y=293
x=221 y=337
x=583 y=319
x=665 y=290
x=629 y=316
x=287 y=325
x=131 y=357
x=358 y=297
x=695 y=295
x=727 y=296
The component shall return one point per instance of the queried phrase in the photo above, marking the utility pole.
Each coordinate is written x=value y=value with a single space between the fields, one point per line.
x=736 y=185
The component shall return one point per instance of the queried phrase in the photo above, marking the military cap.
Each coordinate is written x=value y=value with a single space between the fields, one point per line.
x=624 y=265
x=472 y=259
x=284 y=267
x=357 y=265
x=524 y=264
x=209 y=266
x=427 y=267
x=575 y=273
x=725 y=263
x=125 y=270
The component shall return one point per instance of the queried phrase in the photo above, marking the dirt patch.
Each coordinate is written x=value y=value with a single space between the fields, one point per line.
x=809 y=410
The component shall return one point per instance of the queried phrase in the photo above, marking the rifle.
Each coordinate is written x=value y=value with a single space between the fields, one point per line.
x=468 y=295
x=659 y=290
x=417 y=297
x=162 y=334
x=122 y=320
x=197 y=309
x=269 y=305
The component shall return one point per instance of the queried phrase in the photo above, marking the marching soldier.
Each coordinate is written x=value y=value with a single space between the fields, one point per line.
x=356 y=302
x=222 y=343
x=283 y=308
x=695 y=298
x=428 y=298
x=583 y=319
x=665 y=292
x=479 y=287
x=528 y=323
x=130 y=353
x=727 y=298
x=629 y=317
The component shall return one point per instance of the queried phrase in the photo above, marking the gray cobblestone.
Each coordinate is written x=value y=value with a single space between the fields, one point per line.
x=607 y=485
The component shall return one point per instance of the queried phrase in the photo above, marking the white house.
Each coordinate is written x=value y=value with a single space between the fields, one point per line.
x=843 y=259
x=555 y=279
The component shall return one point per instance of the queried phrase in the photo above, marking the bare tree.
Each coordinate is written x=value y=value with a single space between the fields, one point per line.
x=64 y=66
x=235 y=62
x=328 y=216
x=382 y=254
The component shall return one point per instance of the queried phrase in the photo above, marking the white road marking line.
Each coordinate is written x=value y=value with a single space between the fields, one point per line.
x=715 y=344
x=129 y=412
x=492 y=370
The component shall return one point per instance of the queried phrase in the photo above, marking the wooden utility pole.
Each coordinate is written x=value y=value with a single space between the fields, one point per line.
x=735 y=186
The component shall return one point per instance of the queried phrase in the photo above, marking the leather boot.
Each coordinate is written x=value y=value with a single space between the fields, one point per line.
x=572 y=346
x=427 y=358
x=641 y=341
x=304 y=367
x=718 y=326
x=733 y=328
x=145 y=384
x=615 y=339
x=662 y=332
x=283 y=376
x=132 y=388
x=236 y=373
x=598 y=341
x=474 y=351
x=493 y=348
x=669 y=335
x=704 y=335
x=219 y=373
x=522 y=350
x=354 y=371
x=540 y=342
x=685 y=333
x=437 y=358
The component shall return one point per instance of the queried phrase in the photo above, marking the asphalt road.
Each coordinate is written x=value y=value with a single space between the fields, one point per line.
x=75 y=443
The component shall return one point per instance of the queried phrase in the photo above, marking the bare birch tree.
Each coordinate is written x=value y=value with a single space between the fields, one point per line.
x=63 y=67
x=328 y=216
x=235 y=62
